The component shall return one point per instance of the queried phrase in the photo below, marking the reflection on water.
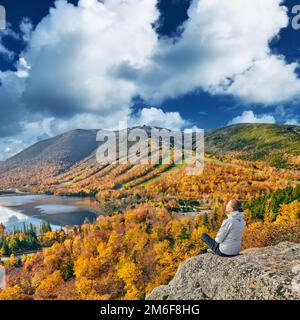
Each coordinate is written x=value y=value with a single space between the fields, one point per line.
x=12 y=219
x=34 y=209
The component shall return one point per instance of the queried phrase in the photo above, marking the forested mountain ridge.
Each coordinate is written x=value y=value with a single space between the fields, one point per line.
x=249 y=141
x=272 y=143
x=67 y=164
x=65 y=149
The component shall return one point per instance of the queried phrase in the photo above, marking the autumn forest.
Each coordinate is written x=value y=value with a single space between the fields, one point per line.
x=155 y=214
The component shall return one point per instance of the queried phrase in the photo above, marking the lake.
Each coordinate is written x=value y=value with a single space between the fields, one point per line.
x=58 y=211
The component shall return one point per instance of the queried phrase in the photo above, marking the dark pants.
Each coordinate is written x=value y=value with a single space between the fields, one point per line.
x=212 y=244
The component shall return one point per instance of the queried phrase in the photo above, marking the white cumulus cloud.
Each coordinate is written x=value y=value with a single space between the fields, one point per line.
x=250 y=117
x=292 y=122
x=84 y=65
x=97 y=56
x=158 y=118
x=224 y=49
x=74 y=51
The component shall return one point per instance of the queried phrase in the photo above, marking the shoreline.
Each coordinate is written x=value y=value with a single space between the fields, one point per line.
x=15 y=193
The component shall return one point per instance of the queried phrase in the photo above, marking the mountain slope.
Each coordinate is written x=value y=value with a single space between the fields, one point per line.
x=68 y=161
x=266 y=142
x=65 y=149
x=246 y=141
x=35 y=165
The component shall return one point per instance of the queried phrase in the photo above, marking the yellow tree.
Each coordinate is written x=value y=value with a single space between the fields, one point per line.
x=50 y=287
x=289 y=213
x=131 y=274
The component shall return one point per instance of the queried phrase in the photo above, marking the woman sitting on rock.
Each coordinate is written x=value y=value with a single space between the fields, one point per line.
x=229 y=238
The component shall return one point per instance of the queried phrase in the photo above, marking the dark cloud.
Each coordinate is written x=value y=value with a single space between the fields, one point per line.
x=11 y=110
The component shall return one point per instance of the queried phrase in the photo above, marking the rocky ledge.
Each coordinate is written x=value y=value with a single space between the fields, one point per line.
x=257 y=274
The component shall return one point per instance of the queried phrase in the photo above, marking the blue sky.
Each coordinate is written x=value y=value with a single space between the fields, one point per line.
x=172 y=63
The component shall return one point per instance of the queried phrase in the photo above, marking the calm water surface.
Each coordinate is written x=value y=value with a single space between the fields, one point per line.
x=58 y=211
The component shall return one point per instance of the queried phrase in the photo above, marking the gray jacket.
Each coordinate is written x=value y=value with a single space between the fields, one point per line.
x=230 y=234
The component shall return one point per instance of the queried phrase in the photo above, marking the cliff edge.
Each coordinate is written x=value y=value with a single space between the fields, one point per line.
x=258 y=273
